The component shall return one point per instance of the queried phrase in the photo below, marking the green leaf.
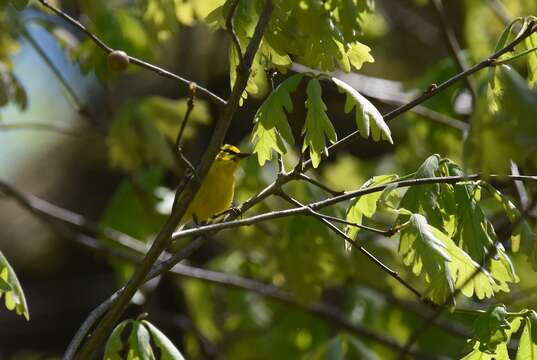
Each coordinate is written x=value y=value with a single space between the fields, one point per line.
x=139 y=343
x=358 y=54
x=424 y=199
x=167 y=350
x=5 y=286
x=531 y=59
x=522 y=237
x=500 y=354
x=423 y=251
x=492 y=328
x=368 y=119
x=446 y=266
x=14 y=296
x=271 y=127
x=317 y=126
x=527 y=346
x=115 y=346
x=365 y=205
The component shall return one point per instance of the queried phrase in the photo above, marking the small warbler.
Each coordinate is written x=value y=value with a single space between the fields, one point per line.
x=216 y=192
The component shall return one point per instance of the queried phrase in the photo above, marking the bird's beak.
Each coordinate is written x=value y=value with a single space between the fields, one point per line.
x=243 y=155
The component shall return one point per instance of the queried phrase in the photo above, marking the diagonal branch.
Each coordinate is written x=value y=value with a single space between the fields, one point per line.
x=490 y=61
x=49 y=213
x=215 y=99
x=162 y=240
x=358 y=247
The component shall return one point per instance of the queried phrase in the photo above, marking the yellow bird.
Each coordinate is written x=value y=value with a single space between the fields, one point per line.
x=216 y=192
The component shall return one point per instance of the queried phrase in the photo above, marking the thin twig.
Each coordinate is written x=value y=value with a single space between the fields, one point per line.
x=178 y=141
x=490 y=61
x=320 y=185
x=357 y=246
x=225 y=224
x=516 y=56
x=163 y=238
x=230 y=25
x=107 y=49
x=51 y=213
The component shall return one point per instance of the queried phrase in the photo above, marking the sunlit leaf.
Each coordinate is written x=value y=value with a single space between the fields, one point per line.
x=527 y=346
x=424 y=252
x=500 y=354
x=139 y=343
x=368 y=119
x=167 y=350
x=358 y=54
x=11 y=288
x=271 y=126
x=318 y=126
x=365 y=205
x=492 y=328
x=115 y=346
x=424 y=199
x=446 y=266
x=522 y=237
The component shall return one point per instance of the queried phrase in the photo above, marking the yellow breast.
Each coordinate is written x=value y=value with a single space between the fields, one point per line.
x=215 y=194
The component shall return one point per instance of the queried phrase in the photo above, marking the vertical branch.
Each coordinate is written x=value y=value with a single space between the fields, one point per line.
x=178 y=148
x=230 y=25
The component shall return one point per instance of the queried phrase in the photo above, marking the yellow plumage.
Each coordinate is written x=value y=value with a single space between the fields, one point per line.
x=216 y=192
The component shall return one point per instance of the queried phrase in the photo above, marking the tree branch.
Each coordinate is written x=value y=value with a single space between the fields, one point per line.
x=230 y=25
x=490 y=61
x=215 y=99
x=358 y=247
x=162 y=240
x=334 y=200
x=49 y=213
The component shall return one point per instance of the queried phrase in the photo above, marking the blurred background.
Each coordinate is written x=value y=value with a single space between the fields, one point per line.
x=63 y=144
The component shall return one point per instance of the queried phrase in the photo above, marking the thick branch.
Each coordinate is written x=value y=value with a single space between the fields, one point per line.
x=163 y=238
